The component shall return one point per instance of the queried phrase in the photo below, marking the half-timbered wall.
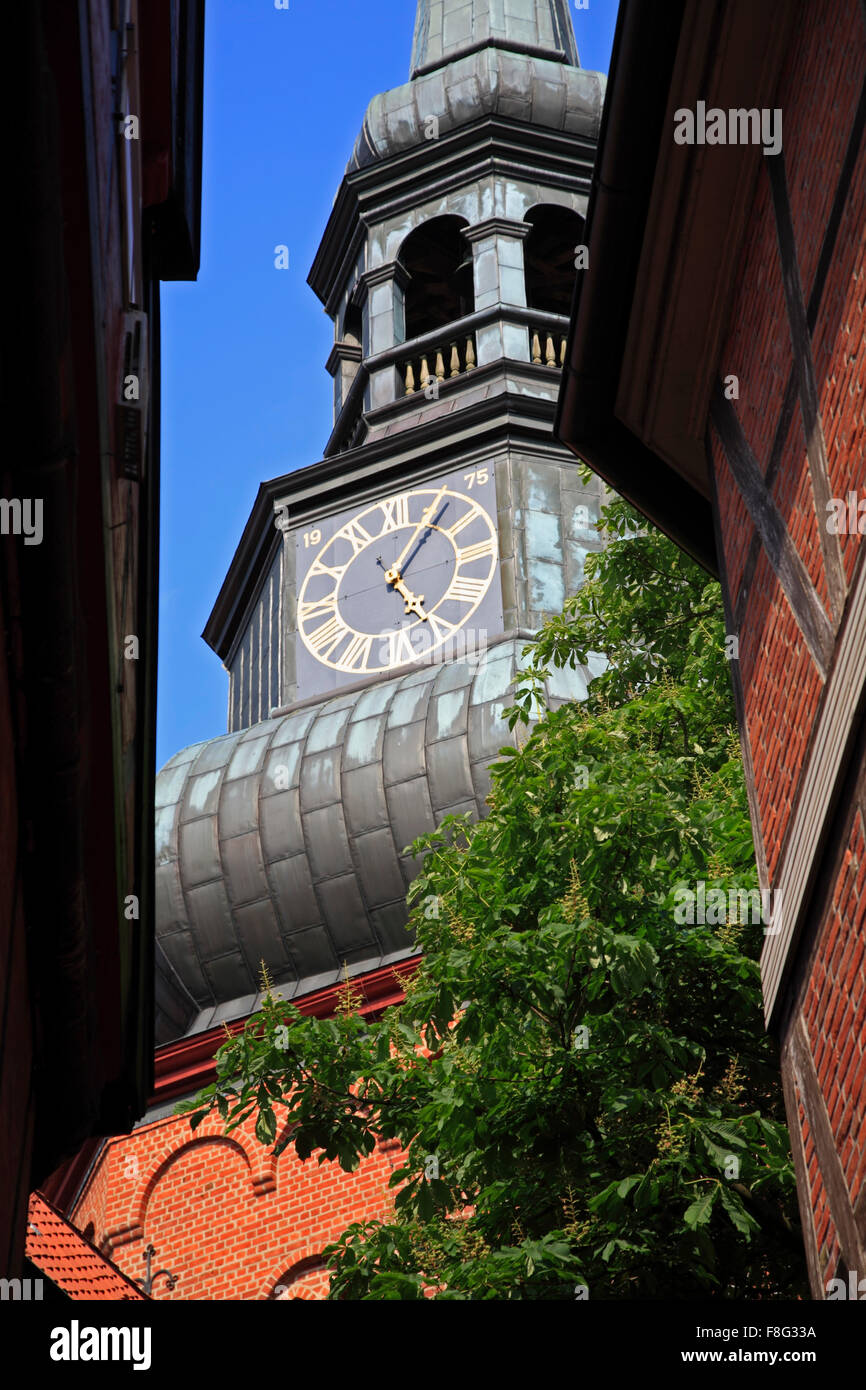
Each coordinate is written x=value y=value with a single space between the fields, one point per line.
x=785 y=440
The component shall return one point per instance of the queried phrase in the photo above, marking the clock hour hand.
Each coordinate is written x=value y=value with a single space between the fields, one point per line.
x=412 y=601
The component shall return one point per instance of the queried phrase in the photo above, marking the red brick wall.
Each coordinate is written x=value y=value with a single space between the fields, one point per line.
x=737 y=530
x=819 y=94
x=826 y=1238
x=794 y=496
x=834 y=1013
x=781 y=683
x=839 y=351
x=834 y=1009
x=225 y=1216
x=782 y=687
x=758 y=347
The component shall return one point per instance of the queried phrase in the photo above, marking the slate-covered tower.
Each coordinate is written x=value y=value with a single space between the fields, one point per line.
x=379 y=598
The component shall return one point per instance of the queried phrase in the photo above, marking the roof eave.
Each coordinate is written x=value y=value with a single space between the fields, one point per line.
x=644 y=52
x=664 y=232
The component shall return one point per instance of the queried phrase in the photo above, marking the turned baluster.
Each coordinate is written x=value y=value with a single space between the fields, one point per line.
x=470 y=355
x=549 y=353
x=536 y=348
x=440 y=366
x=455 y=361
x=410 y=379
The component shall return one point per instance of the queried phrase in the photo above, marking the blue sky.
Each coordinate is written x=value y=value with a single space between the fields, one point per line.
x=245 y=392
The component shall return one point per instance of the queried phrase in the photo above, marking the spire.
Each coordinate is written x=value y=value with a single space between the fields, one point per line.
x=447 y=29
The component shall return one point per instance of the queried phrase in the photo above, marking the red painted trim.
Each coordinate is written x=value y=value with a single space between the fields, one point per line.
x=188 y=1064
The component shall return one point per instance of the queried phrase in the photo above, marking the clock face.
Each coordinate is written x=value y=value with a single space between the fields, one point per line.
x=398 y=578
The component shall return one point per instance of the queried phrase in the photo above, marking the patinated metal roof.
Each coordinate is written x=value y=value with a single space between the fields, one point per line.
x=475 y=58
x=445 y=29
x=488 y=82
x=285 y=842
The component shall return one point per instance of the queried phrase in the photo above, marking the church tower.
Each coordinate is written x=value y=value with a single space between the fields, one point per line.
x=447 y=267
x=373 y=616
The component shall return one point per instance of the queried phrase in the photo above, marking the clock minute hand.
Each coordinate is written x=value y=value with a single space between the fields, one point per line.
x=431 y=522
x=425 y=521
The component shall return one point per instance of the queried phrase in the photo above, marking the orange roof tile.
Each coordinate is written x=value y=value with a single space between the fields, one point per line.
x=68 y=1260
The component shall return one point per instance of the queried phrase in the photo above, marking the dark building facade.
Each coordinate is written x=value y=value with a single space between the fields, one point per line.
x=105 y=167
x=715 y=376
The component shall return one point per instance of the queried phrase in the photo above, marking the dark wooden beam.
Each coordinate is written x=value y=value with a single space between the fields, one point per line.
x=789 y=402
x=804 y=1191
x=781 y=551
x=732 y=628
x=835 y=1186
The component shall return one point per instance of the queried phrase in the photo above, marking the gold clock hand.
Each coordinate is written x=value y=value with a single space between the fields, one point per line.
x=425 y=519
x=412 y=601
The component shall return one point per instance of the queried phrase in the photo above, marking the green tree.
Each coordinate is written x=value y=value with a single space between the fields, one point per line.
x=582 y=1085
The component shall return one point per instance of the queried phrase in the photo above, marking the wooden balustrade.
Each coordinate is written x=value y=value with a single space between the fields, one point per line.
x=548 y=337
x=457 y=356
x=437 y=356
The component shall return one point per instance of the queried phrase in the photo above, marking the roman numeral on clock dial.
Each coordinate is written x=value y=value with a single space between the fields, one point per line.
x=357 y=654
x=482 y=550
x=440 y=628
x=395 y=512
x=334 y=572
x=465 y=589
x=357 y=537
x=461 y=524
x=326 y=638
x=318 y=608
x=400 y=649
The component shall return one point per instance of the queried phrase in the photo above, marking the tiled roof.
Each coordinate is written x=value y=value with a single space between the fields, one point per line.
x=68 y=1260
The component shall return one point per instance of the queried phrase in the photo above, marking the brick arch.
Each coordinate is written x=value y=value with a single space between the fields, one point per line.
x=260 y=1162
x=261 y=1215
x=177 y=1152
x=304 y=1295
x=178 y=1139
x=306 y=1261
x=284 y=1271
x=175 y=1148
x=199 y=1204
